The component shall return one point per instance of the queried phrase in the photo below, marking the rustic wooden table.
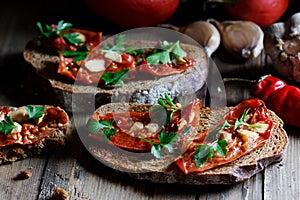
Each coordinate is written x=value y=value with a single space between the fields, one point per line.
x=73 y=168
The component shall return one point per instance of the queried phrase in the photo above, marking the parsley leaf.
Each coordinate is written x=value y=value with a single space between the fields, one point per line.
x=72 y=38
x=166 y=53
x=220 y=147
x=46 y=33
x=202 y=153
x=114 y=78
x=106 y=127
x=169 y=106
x=133 y=51
x=156 y=150
x=206 y=151
x=78 y=55
x=117 y=46
x=165 y=140
x=159 y=57
x=7 y=125
x=242 y=121
x=175 y=49
x=62 y=26
x=35 y=111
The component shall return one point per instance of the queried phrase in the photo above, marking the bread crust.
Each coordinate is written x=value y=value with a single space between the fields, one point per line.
x=144 y=91
x=237 y=171
x=57 y=139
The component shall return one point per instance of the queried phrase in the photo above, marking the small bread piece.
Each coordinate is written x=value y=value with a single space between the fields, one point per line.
x=55 y=134
x=142 y=91
x=237 y=171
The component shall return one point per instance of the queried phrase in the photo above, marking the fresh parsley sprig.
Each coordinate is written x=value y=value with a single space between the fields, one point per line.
x=134 y=52
x=117 y=45
x=35 y=111
x=62 y=26
x=169 y=107
x=7 y=125
x=110 y=78
x=165 y=53
x=78 y=55
x=165 y=141
x=106 y=127
x=242 y=121
x=204 y=152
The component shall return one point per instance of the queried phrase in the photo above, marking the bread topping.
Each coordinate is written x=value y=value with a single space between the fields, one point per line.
x=114 y=63
x=29 y=130
x=245 y=128
x=139 y=131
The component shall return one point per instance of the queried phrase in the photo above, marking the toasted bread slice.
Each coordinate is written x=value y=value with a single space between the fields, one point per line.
x=49 y=134
x=142 y=91
x=236 y=171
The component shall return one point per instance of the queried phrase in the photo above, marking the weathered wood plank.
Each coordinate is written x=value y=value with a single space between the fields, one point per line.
x=21 y=189
x=282 y=179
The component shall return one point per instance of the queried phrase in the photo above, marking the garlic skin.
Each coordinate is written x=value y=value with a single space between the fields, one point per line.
x=282 y=45
x=241 y=38
x=294 y=24
x=206 y=34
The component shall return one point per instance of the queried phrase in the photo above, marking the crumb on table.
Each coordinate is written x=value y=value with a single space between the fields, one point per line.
x=23 y=175
x=60 y=194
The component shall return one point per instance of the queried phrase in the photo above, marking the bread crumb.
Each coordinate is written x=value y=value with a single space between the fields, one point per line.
x=23 y=175
x=60 y=194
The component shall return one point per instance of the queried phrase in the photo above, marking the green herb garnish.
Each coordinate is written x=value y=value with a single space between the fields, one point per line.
x=242 y=121
x=35 y=111
x=166 y=53
x=106 y=127
x=58 y=31
x=206 y=151
x=165 y=140
x=110 y=78
x=117 y=46
x=133 y=51
x=7 y=125
x=78 y=55
x=169 y=106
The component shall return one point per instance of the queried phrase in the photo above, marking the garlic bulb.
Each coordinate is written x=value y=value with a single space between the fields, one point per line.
x=203 y=32
x=282 y=45
x=294 y=25
x=241 y=38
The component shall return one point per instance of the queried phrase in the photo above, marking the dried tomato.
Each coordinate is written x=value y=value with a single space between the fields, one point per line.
x=160 y=70
x=129 y=139
x=237 y=144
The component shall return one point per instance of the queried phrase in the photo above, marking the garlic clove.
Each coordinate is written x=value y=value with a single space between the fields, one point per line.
x=273 y=42
x=294 y=23
x=202 y=32
x=241 y=38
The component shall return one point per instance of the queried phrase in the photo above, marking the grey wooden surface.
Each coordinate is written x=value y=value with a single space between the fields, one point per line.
x=73 y=168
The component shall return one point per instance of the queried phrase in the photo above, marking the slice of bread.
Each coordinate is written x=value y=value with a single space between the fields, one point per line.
x=57 y=139
x=237 y=171
x=142 y=91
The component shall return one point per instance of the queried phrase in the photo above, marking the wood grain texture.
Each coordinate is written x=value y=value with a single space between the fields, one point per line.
x=73 y=168
x=282 y=179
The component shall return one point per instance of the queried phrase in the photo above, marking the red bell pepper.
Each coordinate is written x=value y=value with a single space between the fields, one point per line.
x=280 y=97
